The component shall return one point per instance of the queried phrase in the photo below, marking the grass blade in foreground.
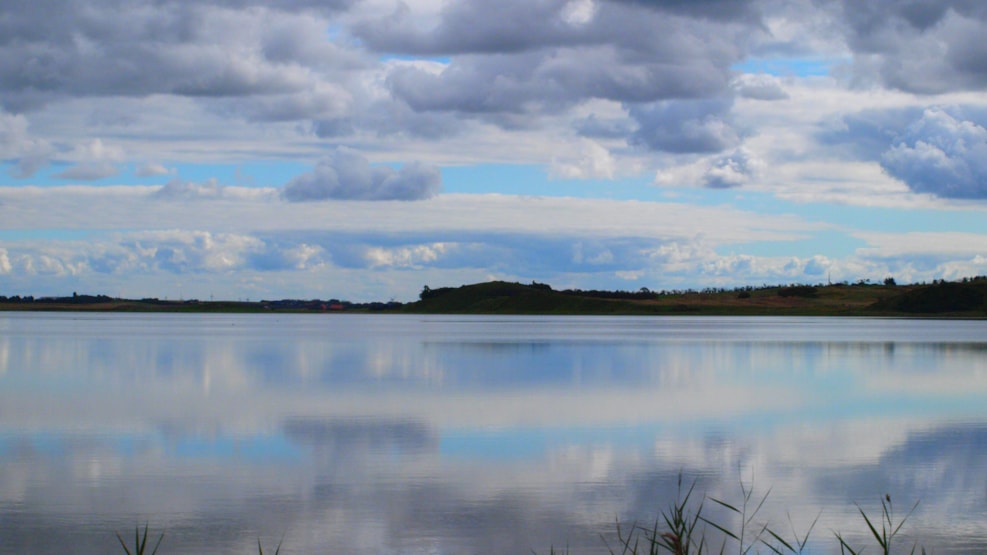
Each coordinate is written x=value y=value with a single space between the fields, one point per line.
x=140 y=543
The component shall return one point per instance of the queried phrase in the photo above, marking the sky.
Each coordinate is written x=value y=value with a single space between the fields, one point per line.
x=363 y=149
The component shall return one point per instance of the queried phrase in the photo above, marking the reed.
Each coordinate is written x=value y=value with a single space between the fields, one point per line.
x=277 y=550
x=888 y=529
x=681 y=529
x=140 y=542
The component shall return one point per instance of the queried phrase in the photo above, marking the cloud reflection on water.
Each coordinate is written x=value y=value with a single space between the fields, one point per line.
x=375 y=435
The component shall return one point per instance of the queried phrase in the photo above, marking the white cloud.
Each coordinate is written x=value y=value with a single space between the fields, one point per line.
x=937 y=243
x=588 y=160
x=150 y=169
x=191 y=251
x=185 y=190
x=405 y=257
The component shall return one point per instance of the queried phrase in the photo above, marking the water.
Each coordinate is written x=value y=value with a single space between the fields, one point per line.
x=451 y=434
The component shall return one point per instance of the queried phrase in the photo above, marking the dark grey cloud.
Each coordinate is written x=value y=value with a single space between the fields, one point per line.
x=941 y=154
x=51 y=49
x=345 y=175
x=922 y=46
x=865 y=135
x=513 y=26
x=686 y=126
x=717 y=10
x=523 y=58
x=595 y=127
x=471 y=27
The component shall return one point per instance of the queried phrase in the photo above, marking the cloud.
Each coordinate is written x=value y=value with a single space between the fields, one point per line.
x=867 y=134
x=685 y=126
x=190 y=251
x=589 y=160
x=542 y=57
x=924 y=46
x=596 y=127
x=759 y=86
x=186 y=190
x=5 y=266
x=150 y=169
x=732 y=170
x=89 y=171
x=405 y=257
x=200 y=49
x=16 y=143
x=345 y=175
x=96 y=161
x=941 y=154
x=280 y=256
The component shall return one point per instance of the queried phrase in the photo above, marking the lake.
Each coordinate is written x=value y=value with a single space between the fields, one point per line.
x=368 y=434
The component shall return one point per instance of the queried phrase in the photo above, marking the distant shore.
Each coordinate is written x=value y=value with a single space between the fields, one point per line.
x=966 y=298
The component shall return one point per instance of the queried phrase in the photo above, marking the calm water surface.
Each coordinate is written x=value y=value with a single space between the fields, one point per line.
x=450 y=434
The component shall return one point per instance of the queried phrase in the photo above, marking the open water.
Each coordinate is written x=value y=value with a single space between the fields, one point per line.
x=358 y=434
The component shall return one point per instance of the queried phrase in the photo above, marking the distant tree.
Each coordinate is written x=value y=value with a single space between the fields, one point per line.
x=541 y=286
x=889 y=281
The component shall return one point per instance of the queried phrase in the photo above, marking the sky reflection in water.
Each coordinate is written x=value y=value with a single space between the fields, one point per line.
x=359 y=434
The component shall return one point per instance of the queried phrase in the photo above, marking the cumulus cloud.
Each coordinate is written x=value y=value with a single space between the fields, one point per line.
x=686 y=126
x=867 y=134
x=941 y=154
x=542 y=57
x=214 y=48
x=732 y=170
x=5 y=266
x=346 y=175
x=287 y=256
x=405 y=256
x=923 y=46
x=190 y=251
